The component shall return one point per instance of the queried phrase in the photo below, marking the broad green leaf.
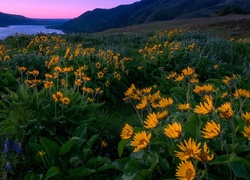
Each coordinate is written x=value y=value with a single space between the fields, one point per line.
x=133 y=166
x=65 y=148
x=80 y=172
x=51 y=148
x=81 y=131
x=241 y=167
x=193 y=127
x=121 y=145
x=91 y=141
x=223 y=159
x=31 y=176
x=53 y=171
x=164 y=164
x=121 y=163
x=97 y=161
x=143 y=174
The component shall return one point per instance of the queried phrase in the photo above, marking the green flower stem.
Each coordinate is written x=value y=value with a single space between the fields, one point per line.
x=205 y=165
x=138 y=114
x=228 y=156
x=233 y=131
x=188 y=91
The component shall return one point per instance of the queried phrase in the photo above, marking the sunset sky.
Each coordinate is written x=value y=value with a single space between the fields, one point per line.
x=56 y=8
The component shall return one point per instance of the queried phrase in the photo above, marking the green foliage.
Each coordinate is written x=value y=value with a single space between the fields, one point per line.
x=68 y=116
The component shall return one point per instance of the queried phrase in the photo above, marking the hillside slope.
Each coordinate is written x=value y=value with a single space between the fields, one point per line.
x=146 y=11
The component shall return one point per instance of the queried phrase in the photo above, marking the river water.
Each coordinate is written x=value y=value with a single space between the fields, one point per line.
x=26 y=29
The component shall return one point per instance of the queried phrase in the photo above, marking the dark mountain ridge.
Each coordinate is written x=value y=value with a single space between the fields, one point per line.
x=12 y=19
x=145 y=11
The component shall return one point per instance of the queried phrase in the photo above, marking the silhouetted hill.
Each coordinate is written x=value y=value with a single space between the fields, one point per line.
x=145 y=11
x=10 y=19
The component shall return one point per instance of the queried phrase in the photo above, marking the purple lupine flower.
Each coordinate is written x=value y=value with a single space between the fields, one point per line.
x=6 y=142
x=6 y=149
x=17 y=147
x=8 y=166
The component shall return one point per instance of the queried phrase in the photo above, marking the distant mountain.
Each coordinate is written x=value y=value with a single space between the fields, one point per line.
x=152 y=10
x=10 y=19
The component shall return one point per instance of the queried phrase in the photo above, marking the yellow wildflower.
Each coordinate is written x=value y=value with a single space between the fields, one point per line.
x=246 y=117
x=203 y=90
x=57 y=96
x=243 y=93
x=189 y=150
x=142 y=105
x=188 y=71
x=185 y=171
x=41 y=153
x=211 y=130
x=140 y=140
x=173 y=130
x=161 y=115
x=226 y=111
x=179 y=77
x=206 y=107
x=172 y=75
x=246 y=132
x=205 y=155
x=165 y=102
x=48 y=84
x=65 y=100
x=151 y=121
x=230 y=81
x=127 y=131
x=100 y=75
x=225 y=94
x=184 y=107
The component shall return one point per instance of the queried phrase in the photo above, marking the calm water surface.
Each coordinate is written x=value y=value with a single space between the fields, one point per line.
x=26 y=29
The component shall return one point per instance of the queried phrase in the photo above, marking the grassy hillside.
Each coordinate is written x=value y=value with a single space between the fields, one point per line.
x=152 y=10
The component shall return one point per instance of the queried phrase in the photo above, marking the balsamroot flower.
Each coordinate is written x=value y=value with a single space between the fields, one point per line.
x=132 y=93
x=127 y=131
x=188 y=71
x=243 y=93
x=57 y=96
x=203 y=90
x=184 y=107
x=211 y=130
x=226 y=111
x=230 y=81
x=185 y=171
x=65 y=100
x=143 y=104
x=165 y=102
x=246 y=132
x=151 y=121
x=205 y=155
x=173 y=130
x=206 y=107
x=140 y=140
x=189 y=150
x=161 y=115
x=246 y=117
x=179 y=77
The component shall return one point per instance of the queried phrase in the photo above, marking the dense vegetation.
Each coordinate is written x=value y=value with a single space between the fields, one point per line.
x=163 y=105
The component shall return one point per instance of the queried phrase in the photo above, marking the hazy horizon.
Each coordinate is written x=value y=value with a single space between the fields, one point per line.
x=54 y=9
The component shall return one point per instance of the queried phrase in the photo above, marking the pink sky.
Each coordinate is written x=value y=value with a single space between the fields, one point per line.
x=56 y=8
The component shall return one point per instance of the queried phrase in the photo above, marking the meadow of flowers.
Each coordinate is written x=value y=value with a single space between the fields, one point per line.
x=172 y=104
